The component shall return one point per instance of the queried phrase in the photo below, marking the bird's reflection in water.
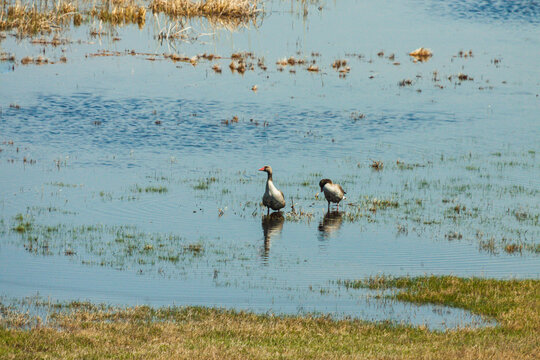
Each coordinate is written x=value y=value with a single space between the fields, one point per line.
x=330 y=224
x=272 y=225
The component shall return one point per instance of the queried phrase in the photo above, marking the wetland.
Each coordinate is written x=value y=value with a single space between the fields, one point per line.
x=130 y=137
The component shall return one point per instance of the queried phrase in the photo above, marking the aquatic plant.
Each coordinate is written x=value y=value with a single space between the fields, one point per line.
x=211 y=8
x=35 y=18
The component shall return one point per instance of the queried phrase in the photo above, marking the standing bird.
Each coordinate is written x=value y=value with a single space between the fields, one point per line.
x=332 y=192
x=272 y=198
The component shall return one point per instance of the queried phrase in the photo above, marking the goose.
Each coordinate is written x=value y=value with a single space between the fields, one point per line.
x=332 y=192
x=272 y=198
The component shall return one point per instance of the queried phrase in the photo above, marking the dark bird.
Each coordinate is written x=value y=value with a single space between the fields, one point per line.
x=332 y=192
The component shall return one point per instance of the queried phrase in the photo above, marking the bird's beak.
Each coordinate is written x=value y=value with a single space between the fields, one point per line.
x=261 y=169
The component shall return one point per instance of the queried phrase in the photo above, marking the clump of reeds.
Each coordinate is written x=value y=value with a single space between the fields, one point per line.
x=119 y=12
x=212 y=8
x=35 y=18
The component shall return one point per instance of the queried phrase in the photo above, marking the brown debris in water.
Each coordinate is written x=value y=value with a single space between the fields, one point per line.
x=103 y=53
x=209 y=57
x=405 y=82
x=377 y=165
x=339 y=63
x=291 y=61
x=234 y=120
x=465 y=54
x=313 y=68
x=216 y=68
x=55 y=41
x=421 y=54
x=260 y=64
x=40 y=60
x=344 y=71
x=7 y=57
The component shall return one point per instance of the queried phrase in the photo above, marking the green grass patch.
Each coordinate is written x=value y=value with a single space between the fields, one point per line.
x=82 y=330
x=160 y=189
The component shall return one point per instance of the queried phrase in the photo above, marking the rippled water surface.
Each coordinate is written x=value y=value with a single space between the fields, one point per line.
x=125 y=180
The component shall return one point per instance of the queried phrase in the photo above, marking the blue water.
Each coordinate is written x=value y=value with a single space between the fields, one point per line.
x=91 y=124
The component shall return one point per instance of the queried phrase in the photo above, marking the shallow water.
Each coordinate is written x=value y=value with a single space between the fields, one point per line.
x=468 y=157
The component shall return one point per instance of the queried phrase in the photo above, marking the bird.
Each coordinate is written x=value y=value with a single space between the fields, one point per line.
x=332 y=192
x=272 y=198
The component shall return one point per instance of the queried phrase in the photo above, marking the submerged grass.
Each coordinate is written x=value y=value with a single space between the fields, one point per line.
x=513 y=303
x=82 y=330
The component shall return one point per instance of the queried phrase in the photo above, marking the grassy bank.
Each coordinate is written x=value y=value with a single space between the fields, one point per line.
x=85 y=331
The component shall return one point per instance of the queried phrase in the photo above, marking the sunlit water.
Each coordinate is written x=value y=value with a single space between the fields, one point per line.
x=91 y=124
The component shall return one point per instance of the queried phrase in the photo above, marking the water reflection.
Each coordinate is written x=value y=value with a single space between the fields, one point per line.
x=330 y=224
x=272 y=225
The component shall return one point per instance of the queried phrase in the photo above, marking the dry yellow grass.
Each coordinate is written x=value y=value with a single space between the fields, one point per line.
x=119 y=12
x=210 y=8
x=86 y=331
x=31 y=19
x=37 y=17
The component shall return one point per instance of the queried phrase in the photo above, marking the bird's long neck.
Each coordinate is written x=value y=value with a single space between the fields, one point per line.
x=269 y=177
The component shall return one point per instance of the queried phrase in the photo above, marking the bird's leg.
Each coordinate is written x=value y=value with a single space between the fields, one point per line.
x=328 y=206
x=268 y=212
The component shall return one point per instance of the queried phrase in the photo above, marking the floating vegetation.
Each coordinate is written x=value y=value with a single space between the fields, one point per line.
x=355 y=116
x=7 y=57
x=465 y=54
x=234 y=120
x=403 y=166
x=22 y=224
x=290 y=61
x=377 y=165
x=160 y=189
x=421 y=54
x=337 y=64
x=205 y=184
x=405 y=82
x=104 y=245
